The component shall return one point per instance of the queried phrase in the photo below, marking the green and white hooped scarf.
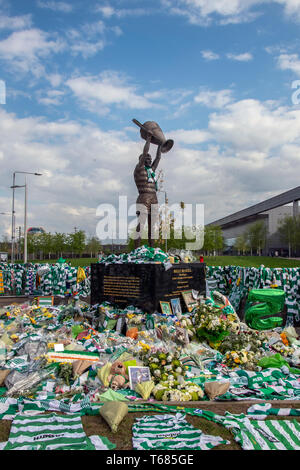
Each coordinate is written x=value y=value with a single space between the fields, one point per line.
x=151 y=176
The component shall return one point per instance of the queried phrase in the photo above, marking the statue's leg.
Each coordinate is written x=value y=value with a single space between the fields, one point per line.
x=150 y=240
x=153 y=226
x=142 y=218
x=137 y=241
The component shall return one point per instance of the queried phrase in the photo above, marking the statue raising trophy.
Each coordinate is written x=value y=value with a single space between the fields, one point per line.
x=146 y=181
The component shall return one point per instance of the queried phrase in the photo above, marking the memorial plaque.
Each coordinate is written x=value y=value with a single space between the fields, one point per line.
x=137 y=284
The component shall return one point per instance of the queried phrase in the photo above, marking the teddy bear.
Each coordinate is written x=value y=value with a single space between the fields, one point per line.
x=117 y=382
x=117 y=377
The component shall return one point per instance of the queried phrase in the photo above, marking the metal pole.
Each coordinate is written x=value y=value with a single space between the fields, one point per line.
x=25 y=224
x=13 y=222
x=166 y=201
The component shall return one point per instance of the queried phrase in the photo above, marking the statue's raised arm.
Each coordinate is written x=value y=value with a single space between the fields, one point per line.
x=157 y=158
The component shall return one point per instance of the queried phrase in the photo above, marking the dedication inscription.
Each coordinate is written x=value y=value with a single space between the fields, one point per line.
x=136 y=284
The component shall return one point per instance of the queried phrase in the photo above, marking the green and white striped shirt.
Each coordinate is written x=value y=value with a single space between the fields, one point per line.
x=52 y=432
x=167 y=432
x=263 y=435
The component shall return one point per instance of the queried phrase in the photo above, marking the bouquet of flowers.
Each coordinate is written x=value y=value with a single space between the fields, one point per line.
x=211 y=325
x=134 y=320
x=249 y=340
x=177 y=391
x=164 y=365
x=243 y=358
x=283 y=349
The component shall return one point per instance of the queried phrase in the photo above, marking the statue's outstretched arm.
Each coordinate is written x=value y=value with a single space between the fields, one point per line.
x=146 y=150
x=157 y=158
x=147 y=145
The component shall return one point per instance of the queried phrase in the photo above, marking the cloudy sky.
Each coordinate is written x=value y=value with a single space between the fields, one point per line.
x=221 y=77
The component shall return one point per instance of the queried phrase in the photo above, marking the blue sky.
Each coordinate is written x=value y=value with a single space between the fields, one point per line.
x=217 y=76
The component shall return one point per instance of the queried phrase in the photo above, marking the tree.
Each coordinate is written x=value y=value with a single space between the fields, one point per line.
x=76 y=241
x=59 y=241
x=242 y=243
x=289 y=232
x=93 y=246
x=213 y=239
x=5 y=244
x=256 y=236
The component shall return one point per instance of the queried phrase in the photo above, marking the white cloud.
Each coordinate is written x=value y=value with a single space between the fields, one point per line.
x=15 y=22
x=87 y=48
x=214 y=99
x=251 y=125
x=23 y=50
x=90 y=38
x=63 y=7
x=55 y=79
x=203 y=12
x=289 y=62
x=245 y=57
x=210 y=55
x=53 y=97
x=109 y=88
x=108 y=11
x=190 y=137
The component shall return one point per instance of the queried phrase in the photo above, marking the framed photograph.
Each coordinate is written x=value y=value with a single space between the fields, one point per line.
x=137 y=375
x=176 y=306
x=166 y=308
x=189 y=300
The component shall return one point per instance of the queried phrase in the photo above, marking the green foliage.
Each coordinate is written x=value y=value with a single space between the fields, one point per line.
x=242 y=243
x=253 y=239
x=289 y=232
x=213 y=239
x=93 y=246
x=257 y=236
x=76 y=242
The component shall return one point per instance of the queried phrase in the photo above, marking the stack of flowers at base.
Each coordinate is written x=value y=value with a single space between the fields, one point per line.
x=244 y=359
x=283 y=349
x=164 y=365
x=168 y=374
x=244 y=349
x=212 y=325
x=174 y=390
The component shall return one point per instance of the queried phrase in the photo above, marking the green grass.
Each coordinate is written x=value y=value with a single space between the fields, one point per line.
x=247 y=261
x=251 y=261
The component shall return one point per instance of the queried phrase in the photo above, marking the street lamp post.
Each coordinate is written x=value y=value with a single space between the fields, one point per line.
x=13 y=230
x=25 y=224
x=25 y=214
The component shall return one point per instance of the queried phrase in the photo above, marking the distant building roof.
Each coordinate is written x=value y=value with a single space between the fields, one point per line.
x=268 y=204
